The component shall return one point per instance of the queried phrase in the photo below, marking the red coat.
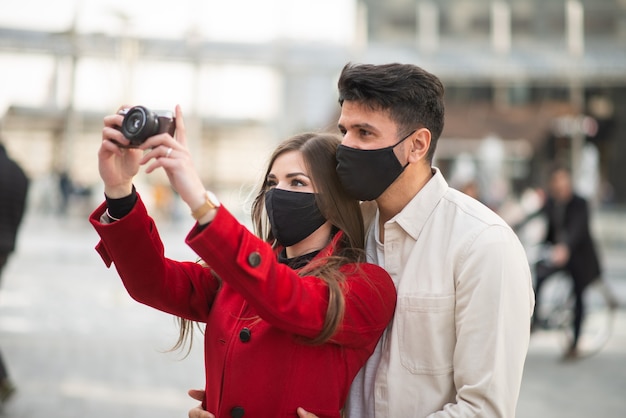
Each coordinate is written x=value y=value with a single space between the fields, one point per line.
x=256 y=362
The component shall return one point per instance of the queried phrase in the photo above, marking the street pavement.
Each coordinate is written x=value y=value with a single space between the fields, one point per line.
x=78 y=346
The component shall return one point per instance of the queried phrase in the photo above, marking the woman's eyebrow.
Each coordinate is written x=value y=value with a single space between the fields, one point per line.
x=288 y=175
x=296 y=174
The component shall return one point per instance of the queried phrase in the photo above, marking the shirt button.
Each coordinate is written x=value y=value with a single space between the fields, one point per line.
x=237 y=412
x=245 y=335
x=254 y=259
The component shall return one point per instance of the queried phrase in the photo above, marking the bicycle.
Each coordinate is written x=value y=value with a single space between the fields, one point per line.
x=555 y=312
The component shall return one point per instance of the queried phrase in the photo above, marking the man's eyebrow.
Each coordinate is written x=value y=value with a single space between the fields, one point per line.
x=363 y=125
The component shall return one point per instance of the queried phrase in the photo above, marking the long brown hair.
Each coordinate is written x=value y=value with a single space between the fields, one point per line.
x=318 y=152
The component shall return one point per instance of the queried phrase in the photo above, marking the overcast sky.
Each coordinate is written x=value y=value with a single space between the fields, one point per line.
x=26 y=80
x=237 y=20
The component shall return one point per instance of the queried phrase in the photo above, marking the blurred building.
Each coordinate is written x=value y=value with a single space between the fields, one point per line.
x=534 y=79
x=549 y=73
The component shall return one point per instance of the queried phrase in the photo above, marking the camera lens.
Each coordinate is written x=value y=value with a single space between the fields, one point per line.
x=139 y=124
x=135 y=122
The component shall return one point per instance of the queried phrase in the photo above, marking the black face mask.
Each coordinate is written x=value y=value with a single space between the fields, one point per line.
x=293 y=215
x=366 y=174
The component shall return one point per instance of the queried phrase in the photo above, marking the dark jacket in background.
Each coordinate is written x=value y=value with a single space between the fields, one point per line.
x=13 y=189
x=573 y=224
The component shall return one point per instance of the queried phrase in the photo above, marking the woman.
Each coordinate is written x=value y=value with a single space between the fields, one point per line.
x=290 y=318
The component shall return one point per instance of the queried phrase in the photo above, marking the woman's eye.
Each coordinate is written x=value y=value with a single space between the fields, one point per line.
x=298 y=183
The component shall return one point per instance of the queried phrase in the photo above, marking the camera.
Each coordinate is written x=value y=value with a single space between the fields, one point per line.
x=140 y=123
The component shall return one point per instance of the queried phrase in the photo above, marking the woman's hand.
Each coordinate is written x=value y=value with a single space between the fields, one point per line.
x=198 y=412
x=117 y=165
x=304 y=414
x=172 y=154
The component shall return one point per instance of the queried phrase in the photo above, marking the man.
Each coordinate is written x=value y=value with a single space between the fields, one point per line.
x=13 y=188
x=572 y=249
x=459 y=338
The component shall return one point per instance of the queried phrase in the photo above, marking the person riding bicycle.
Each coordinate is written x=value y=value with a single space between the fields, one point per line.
x=571 y=246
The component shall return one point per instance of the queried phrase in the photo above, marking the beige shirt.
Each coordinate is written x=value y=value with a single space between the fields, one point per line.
x=459 y=338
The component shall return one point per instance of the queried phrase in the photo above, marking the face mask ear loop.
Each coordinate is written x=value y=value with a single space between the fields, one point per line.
x=400 y=141
x=403 y=139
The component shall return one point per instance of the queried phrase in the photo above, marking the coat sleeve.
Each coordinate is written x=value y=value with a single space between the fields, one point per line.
x=291 y=302
x=185 y=289
x=493 y=308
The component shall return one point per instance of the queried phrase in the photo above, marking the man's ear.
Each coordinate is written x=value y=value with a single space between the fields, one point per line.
x=419 y=145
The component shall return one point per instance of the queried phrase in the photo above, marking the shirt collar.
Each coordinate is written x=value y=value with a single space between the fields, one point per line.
x=415 y=214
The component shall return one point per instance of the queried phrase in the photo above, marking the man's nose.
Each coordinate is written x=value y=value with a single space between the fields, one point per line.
x=350 y=141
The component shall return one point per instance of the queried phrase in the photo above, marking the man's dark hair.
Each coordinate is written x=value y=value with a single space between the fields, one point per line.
x=412 y=96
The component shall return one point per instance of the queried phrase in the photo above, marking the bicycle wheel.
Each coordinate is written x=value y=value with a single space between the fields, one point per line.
x=555 y=307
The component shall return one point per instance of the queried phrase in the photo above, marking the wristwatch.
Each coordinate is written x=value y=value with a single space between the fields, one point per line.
x=211 y=202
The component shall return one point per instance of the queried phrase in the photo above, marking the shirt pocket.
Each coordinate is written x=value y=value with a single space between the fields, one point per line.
x=426 y=333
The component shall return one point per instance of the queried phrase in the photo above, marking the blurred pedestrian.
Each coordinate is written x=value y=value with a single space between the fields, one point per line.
x=66 y=188
x=570 y=246
x=13 y=191
x=291 y=314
